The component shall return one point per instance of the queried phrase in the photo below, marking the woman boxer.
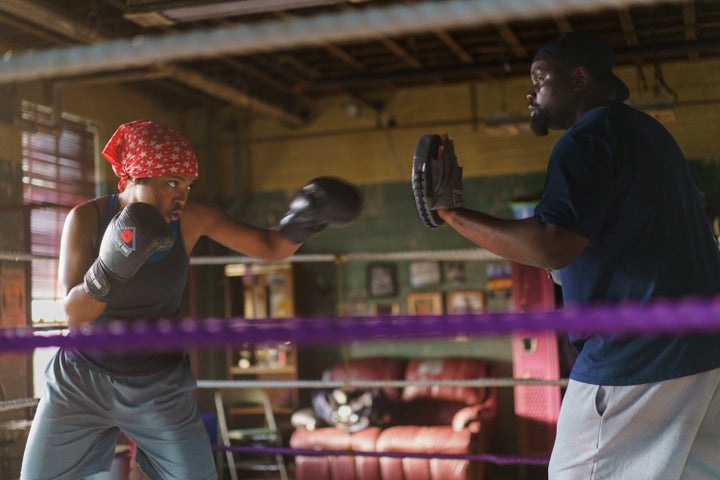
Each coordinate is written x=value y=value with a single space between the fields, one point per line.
x=125 y=256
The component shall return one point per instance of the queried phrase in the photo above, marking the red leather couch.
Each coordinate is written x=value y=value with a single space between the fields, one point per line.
x=424 y=419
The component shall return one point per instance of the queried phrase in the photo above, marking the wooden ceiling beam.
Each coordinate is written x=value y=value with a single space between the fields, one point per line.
x=455 y=47
x=564 y=24
x=399 y=51
x=690 y=24
x=512 y=40
x=628 y=26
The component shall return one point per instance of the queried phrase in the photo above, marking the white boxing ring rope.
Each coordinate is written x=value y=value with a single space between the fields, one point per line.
x=16 y=256
x=351 y=384
x=16 y=404
x=475 y=254
x=470 y=254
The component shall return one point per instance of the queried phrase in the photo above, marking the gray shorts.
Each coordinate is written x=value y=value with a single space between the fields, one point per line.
x=666 y=430
x=78 y=420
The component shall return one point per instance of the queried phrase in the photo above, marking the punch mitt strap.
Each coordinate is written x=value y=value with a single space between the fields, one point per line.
x=436 y=178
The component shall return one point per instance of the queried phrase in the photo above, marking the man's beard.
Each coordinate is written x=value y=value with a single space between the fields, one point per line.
x=539 y=123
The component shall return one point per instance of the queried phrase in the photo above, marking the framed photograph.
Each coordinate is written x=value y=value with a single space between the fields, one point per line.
x=466 y=301
x=455 y=272
x=424 y=303
x=12 y=297
x=424 y=273
x=382 y=280
x=385 y=309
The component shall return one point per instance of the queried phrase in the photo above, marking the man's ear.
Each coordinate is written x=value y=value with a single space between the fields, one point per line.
x=580 y=78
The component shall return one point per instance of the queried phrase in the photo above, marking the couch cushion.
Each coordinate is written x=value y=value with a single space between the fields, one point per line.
x=344 y=467
x=427 y=411
x=426 y=440
x=451 y=368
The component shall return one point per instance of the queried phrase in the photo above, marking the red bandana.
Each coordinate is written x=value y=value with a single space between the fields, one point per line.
x=144 y=149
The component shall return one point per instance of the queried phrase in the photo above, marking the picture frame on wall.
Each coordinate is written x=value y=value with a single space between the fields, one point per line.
x=382 y=280
x=385 y=309
x=455 y=272
x=424 y=273
x=466 y=301
x=424 y=303
x=12 y=296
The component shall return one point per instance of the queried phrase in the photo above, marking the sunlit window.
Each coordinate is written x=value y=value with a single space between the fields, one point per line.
x=58 y=173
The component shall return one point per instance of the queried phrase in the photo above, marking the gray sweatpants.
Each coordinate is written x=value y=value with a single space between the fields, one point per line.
x=658 y=431
x=78 y=420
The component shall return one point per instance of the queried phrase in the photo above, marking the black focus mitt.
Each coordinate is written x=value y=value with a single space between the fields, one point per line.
x=436 y=178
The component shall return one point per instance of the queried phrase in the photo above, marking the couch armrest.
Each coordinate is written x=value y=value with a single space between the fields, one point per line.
x=473 y=416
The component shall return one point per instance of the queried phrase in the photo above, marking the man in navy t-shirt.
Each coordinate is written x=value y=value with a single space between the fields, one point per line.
x=620 y=219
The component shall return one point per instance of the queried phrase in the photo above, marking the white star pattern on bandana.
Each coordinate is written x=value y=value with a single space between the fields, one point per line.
x=143 y=149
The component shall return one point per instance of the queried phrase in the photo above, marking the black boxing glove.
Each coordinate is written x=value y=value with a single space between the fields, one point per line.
x=132 y=236
x=324 y=201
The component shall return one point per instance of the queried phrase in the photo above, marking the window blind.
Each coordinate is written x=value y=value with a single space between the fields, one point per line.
x=58 y=173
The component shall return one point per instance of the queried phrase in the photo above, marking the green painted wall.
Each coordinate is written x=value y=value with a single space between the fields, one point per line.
x=388 y=223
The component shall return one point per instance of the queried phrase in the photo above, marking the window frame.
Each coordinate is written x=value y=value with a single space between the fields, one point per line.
x=60 y=170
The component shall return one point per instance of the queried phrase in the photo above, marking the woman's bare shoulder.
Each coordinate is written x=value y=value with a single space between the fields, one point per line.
x=87 y=212
x=197 y=220
x=81 y=224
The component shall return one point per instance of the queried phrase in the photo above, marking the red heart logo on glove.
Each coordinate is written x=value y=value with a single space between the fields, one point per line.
x=126 y=235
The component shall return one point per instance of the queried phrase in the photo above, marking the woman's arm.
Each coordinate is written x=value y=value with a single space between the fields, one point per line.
x=77 y=253
x=200 y=219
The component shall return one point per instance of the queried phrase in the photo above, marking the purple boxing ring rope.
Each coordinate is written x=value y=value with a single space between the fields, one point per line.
x=689 y=315
x=481 y=457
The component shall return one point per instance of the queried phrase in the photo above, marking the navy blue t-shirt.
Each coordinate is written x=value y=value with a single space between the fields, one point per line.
x=618 y=178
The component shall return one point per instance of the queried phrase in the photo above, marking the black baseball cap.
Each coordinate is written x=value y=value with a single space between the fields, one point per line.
x=587 y=50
